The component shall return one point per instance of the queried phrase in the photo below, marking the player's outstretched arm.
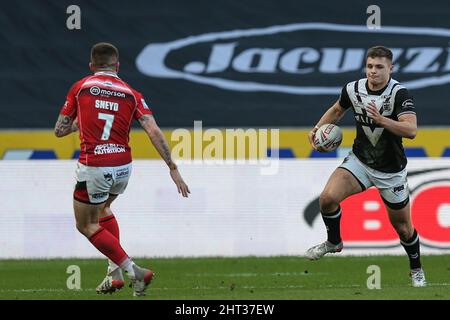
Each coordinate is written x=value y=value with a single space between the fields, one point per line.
x=157 y=138
x=65 y=125
x=332 y=115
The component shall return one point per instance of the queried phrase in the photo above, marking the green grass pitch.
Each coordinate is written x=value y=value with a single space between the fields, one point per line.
x=271 y=278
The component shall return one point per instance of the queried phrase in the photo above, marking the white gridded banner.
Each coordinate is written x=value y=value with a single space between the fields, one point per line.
x=233 y=210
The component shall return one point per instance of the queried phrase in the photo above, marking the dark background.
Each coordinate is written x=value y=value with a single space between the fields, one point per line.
x=40 y=58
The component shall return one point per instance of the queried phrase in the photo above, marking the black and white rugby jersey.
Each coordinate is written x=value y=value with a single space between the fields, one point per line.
x=375 y=146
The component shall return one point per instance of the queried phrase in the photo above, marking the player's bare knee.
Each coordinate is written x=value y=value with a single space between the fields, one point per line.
x=404 y=231
x=328 y=202
x=403 y=234
x=82 y=228
x=88 y=230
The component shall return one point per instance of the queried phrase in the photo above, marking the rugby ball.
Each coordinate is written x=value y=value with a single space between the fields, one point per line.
x=328 y=137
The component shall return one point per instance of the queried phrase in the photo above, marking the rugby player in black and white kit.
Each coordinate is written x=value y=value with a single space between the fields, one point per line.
x=384 y=113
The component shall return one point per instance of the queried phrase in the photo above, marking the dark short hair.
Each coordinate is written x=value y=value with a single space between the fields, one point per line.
x=104 y=55
x=379 y=52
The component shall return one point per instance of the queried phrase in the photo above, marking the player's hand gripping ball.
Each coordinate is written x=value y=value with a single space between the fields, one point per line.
x=327 y=138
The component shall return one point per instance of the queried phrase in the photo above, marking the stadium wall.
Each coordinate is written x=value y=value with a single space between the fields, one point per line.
x=234 y=210
x=249 y=63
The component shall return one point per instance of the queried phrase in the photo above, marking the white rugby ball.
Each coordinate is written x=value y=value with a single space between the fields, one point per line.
x=328 y=137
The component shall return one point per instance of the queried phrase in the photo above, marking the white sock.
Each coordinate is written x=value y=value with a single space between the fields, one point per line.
x=112 y=266
x=127 y=266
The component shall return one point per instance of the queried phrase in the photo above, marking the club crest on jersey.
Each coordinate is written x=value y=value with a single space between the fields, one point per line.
x=387 y=106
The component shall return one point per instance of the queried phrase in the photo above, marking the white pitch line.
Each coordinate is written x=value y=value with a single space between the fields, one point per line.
x=253 y=274
x=44 y=290
x=228 y=288
x=151 y=289
x=443 y=284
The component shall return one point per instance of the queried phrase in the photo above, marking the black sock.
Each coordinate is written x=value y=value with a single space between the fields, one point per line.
x=412 y=248
x=333 y=223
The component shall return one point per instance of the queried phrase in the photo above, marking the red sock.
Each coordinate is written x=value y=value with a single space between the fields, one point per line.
x=109 y=245
x=110 y=224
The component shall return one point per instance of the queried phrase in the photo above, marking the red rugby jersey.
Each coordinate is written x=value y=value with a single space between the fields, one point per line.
x=105 y=105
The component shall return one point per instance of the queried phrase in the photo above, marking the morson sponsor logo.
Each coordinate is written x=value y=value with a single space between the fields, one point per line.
x=301 y=58
x=106 y=93
x=365 y=222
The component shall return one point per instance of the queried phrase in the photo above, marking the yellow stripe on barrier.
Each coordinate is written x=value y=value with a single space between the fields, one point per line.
x=433 y=141
x=38 y=140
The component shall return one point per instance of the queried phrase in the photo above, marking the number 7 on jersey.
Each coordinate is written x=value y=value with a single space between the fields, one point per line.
x=109 y=118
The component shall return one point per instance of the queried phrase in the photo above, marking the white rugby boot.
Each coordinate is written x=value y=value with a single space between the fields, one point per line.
x=418 y=277
x=142 y=278
x=318 y=251
x=112 y=282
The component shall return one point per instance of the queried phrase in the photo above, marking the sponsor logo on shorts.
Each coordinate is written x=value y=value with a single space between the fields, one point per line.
x=107 y=176
x=109 y=148
x=399 y=188
x=122 y=173
x=99 y=195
